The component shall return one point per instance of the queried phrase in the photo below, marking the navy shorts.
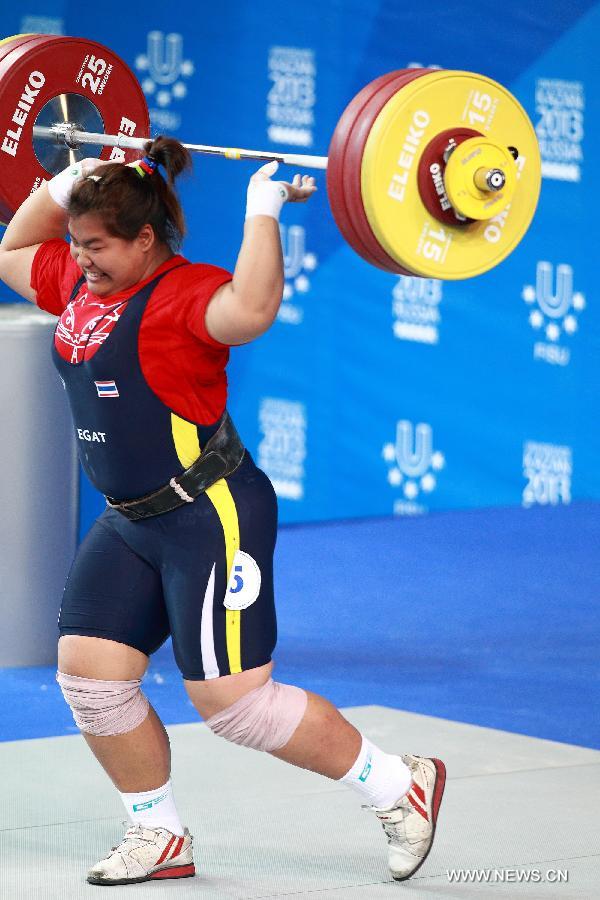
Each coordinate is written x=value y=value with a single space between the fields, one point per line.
x=202 y=573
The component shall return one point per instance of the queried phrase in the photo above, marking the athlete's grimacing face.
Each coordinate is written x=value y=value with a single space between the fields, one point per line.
x=110 y=264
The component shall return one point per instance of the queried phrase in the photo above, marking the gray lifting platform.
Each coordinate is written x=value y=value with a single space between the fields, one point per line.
x=263 y=829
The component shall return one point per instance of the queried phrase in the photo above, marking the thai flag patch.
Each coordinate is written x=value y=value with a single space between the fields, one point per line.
x=106 y=388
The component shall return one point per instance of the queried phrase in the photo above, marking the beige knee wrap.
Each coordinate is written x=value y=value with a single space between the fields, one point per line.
x=104 y=707
x=264 y=719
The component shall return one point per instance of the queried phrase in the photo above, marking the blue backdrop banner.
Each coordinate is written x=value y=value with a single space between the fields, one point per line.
x=375 y=394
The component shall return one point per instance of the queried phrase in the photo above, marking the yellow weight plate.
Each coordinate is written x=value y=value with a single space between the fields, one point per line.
x=466 y=178
x=417 y=113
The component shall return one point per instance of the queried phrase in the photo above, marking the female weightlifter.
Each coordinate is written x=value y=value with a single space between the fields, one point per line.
x=185 y=544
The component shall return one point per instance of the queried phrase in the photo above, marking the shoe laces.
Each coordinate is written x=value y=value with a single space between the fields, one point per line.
x=395 y=831
x=134 y=837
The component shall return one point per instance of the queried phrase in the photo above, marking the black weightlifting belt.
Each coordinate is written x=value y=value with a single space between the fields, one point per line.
x=221 y=456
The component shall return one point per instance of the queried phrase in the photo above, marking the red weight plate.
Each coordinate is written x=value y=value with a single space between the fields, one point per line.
x=335 y=160
x=353 y=163
x=6 y=46
x=430 y=174
x=38 y=71
x=336 y=167
x=7 y=51
x=17 y=40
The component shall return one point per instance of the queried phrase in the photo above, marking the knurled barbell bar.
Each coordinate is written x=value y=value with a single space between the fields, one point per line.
x=422 y=172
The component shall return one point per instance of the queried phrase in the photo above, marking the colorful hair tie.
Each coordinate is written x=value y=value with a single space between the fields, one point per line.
x=145 y=166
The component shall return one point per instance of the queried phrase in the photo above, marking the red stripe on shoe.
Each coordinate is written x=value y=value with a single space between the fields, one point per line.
x=177 y=848
x=175 y=872
x=165 y=852
x=420 y=793
x=440 y=782
x=416 y=806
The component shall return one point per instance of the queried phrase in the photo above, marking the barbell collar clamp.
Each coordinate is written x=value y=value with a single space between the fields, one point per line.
x=489 y=179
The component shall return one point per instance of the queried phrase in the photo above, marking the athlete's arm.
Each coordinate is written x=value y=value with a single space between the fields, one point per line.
x=42 y=217
x=244 y=308
x=38 y=219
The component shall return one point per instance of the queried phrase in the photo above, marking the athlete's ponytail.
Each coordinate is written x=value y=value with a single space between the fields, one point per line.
x=127 y=197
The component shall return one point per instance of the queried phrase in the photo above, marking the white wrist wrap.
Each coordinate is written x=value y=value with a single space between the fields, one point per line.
x=265 y=198
x=61 y=185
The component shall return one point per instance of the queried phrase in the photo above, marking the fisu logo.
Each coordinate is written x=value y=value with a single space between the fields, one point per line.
x=555 y=306
x=41 y=25
x=165 y=67
x=297 y=264
x=413 y=462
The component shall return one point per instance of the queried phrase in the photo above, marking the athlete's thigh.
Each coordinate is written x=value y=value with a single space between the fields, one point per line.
x=219 y=590
x=94 y=657
x=113 y=593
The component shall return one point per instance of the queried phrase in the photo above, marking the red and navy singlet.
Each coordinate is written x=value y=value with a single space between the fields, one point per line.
x=147 y=385
x=182 y=363
x=145 y=381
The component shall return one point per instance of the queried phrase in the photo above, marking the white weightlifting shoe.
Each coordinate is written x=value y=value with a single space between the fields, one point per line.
x=146 y=854
x=410 y=823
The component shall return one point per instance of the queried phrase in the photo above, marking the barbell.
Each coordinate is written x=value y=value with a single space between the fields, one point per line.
x=430 y=172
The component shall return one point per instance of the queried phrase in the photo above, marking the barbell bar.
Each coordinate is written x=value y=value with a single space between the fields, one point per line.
x=68 y=135
x=421 y=172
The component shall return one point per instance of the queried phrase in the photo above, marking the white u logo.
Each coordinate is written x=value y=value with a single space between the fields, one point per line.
x=413 y=457
x=554 y=305
x=164 y=56
x=293 y=244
